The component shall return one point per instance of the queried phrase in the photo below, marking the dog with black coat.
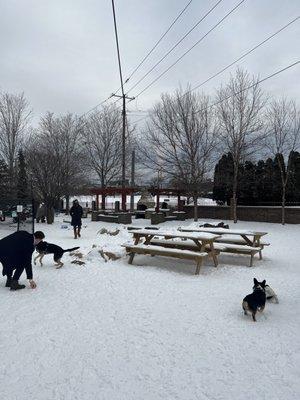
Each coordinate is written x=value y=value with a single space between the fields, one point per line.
x=44 y=248
x=255 y=301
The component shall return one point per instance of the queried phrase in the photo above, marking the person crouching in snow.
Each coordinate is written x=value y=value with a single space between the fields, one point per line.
x=15 y=255
x=76 y=213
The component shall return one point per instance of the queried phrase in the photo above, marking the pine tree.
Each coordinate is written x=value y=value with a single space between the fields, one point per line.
x=247 y=184
x=22 y=188
x=222 y=190
x=4 y=185
x=293 y=186
x=260 y=189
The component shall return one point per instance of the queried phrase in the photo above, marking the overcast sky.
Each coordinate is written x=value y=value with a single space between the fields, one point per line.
x=62 y=53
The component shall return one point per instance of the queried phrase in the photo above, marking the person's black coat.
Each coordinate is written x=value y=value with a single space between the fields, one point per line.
x=16 y=251
x=76 y=213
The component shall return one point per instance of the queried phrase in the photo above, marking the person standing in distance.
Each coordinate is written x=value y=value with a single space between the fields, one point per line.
x=76 y=213
x=15 y=255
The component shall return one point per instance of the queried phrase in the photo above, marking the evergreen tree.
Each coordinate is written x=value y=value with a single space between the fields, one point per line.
x=297 y=177
x=247 y=184
x=278 y=165
x=222 y=190
x=22 y=187
x=293 y=186
x=260 y=189
x=4 y=185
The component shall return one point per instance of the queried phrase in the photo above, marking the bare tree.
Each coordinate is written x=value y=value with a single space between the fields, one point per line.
x=72 y=158
x=53 y=154
x=14 y=116
x=240 y=105
x=44 y=174
x=283 y=137
x=179 y=141
x=103 y=143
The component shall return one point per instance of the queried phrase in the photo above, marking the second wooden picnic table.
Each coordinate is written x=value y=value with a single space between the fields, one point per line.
x=245 y=234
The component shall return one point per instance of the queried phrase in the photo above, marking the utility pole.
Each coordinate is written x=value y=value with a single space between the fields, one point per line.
x=132 y=180
x=124 y=98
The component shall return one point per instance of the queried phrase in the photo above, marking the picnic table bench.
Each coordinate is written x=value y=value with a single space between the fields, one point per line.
x=218 y=247
x=203 y=243
x=167 y=252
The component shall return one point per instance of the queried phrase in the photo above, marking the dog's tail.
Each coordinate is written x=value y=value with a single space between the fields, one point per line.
x=73 y=248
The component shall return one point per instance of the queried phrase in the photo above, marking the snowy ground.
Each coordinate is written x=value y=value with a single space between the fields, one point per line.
x=152 y=330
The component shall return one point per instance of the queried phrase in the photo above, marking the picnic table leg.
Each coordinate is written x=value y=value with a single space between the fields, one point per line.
x=251 y=259
x=131 y=257
x=247 y=240
x=213 y=252
x=199 y=263
x=256 y=243
x=148 y=239
x=137 y=239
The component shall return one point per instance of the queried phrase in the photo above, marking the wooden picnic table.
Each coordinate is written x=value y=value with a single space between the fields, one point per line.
x=246 y=235
x=202 y=240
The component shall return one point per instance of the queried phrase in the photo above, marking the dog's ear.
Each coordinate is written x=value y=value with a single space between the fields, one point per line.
x=255 y=281
x=264 y=282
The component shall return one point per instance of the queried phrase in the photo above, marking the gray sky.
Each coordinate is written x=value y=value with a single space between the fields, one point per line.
x=62 y=53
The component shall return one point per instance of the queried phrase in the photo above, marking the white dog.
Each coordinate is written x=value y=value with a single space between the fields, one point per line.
x=271 y=295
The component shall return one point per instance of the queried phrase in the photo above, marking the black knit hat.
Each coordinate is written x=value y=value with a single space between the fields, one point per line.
x=39 y=235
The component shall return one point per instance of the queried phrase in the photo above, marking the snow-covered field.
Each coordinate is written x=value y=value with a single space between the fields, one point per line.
x=152 y=330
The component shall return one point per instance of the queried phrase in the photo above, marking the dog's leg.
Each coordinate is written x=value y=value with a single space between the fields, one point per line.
x=59 y=264
x=41 y=259
x=253 y=316
x=101 y=252
x=244 y=308
x=35 y=258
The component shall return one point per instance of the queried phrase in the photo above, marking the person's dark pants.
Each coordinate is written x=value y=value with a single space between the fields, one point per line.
x=16 y=273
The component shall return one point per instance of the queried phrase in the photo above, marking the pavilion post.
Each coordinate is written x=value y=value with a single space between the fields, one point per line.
x=178 y=202
x=157 y=201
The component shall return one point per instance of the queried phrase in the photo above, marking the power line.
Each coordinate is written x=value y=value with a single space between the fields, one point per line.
x=157 y=43
x=219 y=72
x=96 y=106
x=249 y=87
x=241 y=91
x=243 y=56
x=117 y=43
x=175 y=45
x=184 y=54
x=213 y=76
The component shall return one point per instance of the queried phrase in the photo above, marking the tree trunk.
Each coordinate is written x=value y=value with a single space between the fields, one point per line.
x=67 y=204
x=283 y=205
x=50 y=215
x=195 y=208
x=234 y=192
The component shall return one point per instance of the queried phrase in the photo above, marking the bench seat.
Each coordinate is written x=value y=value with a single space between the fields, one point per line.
x=219 y=247
x=167 y=252
x=238 y=241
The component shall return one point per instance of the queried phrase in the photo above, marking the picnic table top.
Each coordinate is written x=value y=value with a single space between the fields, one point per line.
x=177 y=234
x=222 y=231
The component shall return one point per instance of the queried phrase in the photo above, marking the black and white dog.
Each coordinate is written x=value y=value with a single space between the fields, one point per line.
x=44 y=248
x=255 y=301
